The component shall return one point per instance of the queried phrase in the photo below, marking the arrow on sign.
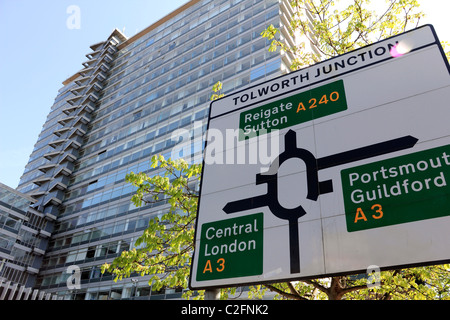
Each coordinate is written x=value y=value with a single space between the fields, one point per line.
x=314 y=186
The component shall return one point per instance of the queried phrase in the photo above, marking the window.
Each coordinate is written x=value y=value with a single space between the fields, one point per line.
x=257 y=73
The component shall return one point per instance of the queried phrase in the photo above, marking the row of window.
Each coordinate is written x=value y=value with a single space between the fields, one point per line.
x=143 y=166
x=159 y=84
x=50 y=125
x=165 y=30
x=6 y=242
x=29 y=239
x=124 y=289
x=13 y=201
x=169 y=90
x=13 y=274
x=155 y=133
x=105 y=231
x=145 y=138
x=127 y=158
x=121 y=191
x=130 y=130
x=9 y=221
x=22 y=257
x=187 y=38
x=120 y=176
x=196 y=58
x=272 y=67
x=189 y=91
x=137 y=126
x=61 y=278
x=90 y=253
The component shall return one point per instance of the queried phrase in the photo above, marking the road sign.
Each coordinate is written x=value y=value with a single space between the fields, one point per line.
x=352 y=169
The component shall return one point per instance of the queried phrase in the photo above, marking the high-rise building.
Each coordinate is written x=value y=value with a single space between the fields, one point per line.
x=22 y=244
x=121 y=108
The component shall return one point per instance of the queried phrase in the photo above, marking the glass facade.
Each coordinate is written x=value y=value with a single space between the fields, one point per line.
x=122 y=108
x=21 y=247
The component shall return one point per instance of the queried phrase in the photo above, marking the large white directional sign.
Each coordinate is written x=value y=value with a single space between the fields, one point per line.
x=330 y=169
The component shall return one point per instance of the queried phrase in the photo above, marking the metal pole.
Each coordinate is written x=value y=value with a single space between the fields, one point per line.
x=213 y=294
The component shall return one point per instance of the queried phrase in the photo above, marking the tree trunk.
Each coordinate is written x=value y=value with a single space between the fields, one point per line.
x=335 y=291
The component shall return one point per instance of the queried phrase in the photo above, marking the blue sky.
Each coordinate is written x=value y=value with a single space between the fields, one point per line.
x=38 y=52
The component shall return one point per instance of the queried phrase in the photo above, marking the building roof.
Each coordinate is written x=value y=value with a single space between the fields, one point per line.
x=20 y=194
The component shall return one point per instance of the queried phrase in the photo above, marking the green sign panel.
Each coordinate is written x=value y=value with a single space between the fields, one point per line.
x=404 y=189
x=306 y=106
x=231 y=248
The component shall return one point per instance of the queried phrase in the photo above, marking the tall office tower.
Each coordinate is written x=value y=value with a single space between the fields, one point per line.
x=109 y=119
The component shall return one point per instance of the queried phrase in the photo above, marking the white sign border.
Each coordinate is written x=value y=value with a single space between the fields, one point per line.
x=221 y=103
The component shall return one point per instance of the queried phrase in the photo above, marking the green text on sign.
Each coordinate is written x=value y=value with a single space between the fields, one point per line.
x=404 y=189
x=231 y=248
x=306 y=106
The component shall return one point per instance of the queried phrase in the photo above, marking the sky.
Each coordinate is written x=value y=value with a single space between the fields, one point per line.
x=44 y=42
x=38 y=51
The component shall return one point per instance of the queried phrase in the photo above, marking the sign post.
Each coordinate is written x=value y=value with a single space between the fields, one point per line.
x=357 y=174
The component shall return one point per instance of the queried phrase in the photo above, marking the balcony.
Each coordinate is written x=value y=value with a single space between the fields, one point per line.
x=97 y=46
x=104 y=67
x=59 y=132
x=85 y=72
x=44 y=234
x=50 y=213
x=64 y=169
x=111 y=49
x=54 y=198
x=82 y=81
x=89 y=62
x=51 y=155
x=101 y=76
x=88 y=106
x=78 y=90
x=32 y=270
x=93 y=55
x=37 y=251
x=91 y=91
x=69 y=109
x=22 y=247
x=92 y=96
x=107 y=58
x=96 y=86
x=74 y=142
x=83 y=119
x=70 y=155
x=39 y=192
x=46 y=167
x=59 y=183
x=41 y=180
x=56 y=143
x=65 y=120
x=79 y=129
x=73 y=100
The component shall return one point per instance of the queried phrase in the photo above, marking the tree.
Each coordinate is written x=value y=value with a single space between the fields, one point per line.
x=165 y=247
x=164 y=250
x=334 y=31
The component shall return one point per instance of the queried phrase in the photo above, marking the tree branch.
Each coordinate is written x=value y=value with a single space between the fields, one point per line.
x=316 y=285
x=283 y=293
